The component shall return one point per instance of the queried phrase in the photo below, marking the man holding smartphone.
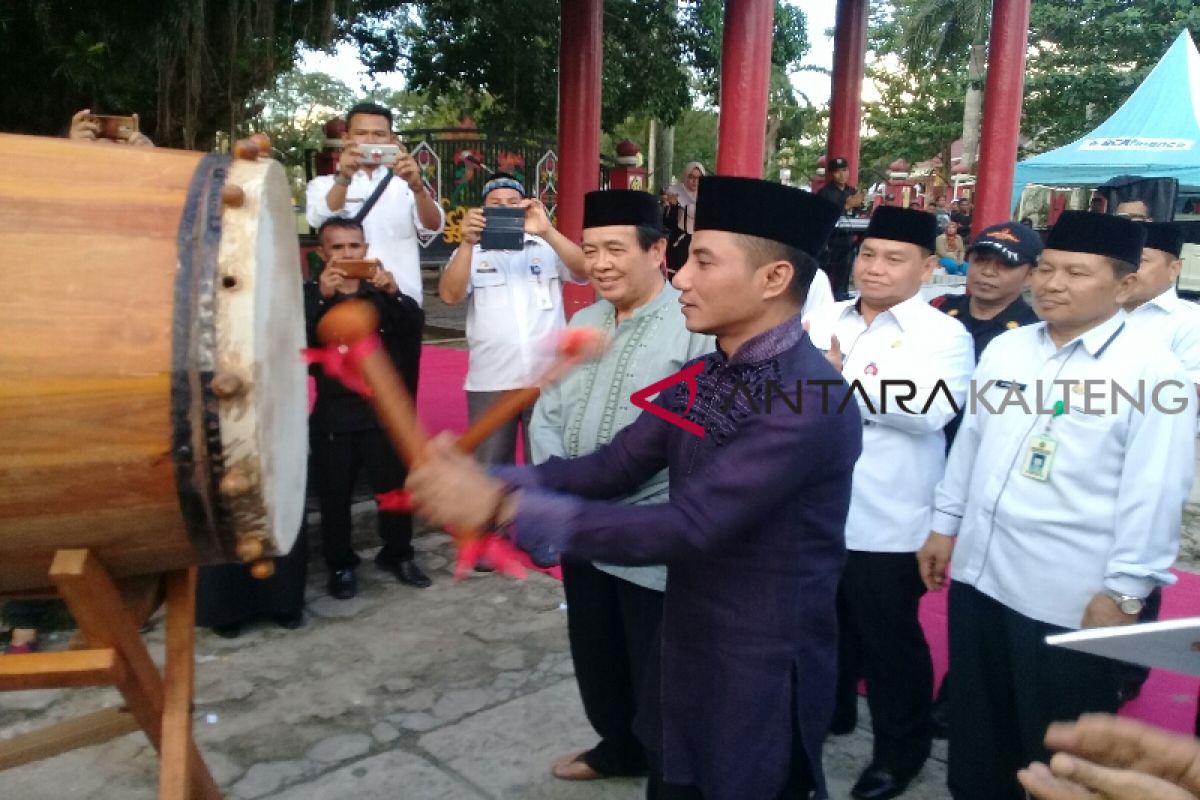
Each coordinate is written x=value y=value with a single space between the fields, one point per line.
x=344 y=431
x=393 y=214
x=514 y=305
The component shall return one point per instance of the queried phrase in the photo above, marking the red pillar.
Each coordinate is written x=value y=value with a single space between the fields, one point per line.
x=1001 y=113
x=745 y=80
x=849 y=64
x=580 y=58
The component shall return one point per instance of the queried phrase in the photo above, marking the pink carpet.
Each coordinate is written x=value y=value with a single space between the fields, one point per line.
x=1168 y=699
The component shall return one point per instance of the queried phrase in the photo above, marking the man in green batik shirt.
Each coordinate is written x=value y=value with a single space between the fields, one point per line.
x=613 y=613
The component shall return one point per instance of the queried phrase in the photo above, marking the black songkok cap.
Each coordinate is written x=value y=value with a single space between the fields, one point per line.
x=620 y=207
x=1165 y=236
x=903 y=225
x=767 y=210
x=1099 y=234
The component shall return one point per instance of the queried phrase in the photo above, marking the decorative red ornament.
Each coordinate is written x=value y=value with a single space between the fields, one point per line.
x=340 y=362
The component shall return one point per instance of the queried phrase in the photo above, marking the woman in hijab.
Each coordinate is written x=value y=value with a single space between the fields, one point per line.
x=680 y=216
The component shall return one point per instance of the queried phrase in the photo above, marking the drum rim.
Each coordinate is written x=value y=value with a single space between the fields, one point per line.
x=196 y=448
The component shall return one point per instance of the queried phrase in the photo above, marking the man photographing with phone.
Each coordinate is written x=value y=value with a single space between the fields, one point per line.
x=391 y=203
x=515 y=302
x=345 y=433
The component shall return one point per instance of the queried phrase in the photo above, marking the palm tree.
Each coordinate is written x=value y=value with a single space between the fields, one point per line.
x=942 y=30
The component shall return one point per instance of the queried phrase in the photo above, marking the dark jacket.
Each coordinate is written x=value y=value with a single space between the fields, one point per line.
x=401 y=320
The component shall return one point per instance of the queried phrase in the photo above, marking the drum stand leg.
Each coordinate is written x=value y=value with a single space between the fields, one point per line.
x=160 y=704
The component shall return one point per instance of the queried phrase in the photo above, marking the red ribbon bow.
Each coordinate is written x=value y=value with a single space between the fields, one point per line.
x=340 y=362
x=490 y=548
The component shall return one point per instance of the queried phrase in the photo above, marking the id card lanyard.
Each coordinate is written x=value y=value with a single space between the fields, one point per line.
x=1039 y=458
x=542 y=292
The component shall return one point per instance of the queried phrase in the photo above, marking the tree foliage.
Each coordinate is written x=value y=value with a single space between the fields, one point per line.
x=919 y=111
x=1087 y=57
x=186 y=67
x=507 y=50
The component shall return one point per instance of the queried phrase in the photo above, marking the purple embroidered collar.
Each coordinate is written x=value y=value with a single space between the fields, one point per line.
x=770 y=343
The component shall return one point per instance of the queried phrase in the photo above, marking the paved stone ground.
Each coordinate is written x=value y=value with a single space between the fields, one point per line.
x=459 y=692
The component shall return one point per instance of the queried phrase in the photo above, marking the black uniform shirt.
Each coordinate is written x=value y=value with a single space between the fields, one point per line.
x=401 y=320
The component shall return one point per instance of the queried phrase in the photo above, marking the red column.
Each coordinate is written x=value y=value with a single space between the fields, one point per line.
x=849 y=63
x=745 y=80
x=580 y=58
x=1001 y=113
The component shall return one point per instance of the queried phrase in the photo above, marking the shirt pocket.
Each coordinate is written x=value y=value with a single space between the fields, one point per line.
x=490 y=289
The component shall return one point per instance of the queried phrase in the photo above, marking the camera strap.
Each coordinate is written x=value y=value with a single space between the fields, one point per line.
x=374 y=198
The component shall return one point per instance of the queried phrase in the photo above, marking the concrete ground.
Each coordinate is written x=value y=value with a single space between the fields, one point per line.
x=463 y=691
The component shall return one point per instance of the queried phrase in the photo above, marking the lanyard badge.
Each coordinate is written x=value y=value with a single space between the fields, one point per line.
x=1039 y=458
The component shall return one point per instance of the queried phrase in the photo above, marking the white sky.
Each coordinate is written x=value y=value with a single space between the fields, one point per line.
x=343 y=64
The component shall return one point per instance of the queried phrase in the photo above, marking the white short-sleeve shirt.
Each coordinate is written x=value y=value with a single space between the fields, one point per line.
x=393 y=229
x=514 y=310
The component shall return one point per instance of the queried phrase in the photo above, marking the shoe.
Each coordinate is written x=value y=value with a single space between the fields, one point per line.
x=878 y=783
x=227 y=631
x=290 y=621
x=343 y=584
x=939 y=719
x=843 y=724
x=407 y=572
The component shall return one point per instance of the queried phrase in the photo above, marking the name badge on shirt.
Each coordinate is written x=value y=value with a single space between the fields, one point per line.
x=542 y=290
x=1039 y=457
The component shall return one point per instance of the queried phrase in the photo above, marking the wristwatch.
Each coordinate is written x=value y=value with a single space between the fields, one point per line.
x=341 y=180
x=1128 y=603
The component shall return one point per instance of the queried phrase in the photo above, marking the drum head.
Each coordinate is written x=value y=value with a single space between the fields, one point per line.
x=260 y=333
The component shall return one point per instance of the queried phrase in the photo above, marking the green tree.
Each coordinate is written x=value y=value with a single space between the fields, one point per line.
x=294 y=110
x=920 y=109
x=941 y=34
x=187 y=68
x=499 y=60
x=1087 y=57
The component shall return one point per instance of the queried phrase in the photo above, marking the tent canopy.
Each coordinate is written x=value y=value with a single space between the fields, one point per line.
x=1155 y=134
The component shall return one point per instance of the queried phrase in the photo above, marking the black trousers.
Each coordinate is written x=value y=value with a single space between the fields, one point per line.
x=337 y=458
x=881 y=641
x=839 y=263
x=1009 y=685
x=612 y=625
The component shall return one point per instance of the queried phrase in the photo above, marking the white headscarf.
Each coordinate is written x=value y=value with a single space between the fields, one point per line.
x=687 y=199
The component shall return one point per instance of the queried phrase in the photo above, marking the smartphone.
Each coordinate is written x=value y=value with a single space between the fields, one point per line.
x=503 y=228
x=384 y=155
x=114 y=127
x=361 y=268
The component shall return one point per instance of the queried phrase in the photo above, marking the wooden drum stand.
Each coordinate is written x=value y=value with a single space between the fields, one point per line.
x=161 y=705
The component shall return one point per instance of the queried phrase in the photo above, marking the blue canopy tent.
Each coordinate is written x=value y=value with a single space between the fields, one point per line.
x=1155 y=134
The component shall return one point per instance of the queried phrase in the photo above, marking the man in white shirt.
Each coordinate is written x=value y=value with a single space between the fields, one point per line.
x=891 y=334
x=1061 y=504
x=1155 y=310
x=403 y=212
x=1154 y=307
x=515 y=308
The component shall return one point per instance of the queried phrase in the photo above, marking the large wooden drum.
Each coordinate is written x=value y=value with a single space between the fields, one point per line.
x=152 y=395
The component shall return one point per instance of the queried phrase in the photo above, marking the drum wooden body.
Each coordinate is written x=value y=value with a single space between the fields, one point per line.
x=152 y=397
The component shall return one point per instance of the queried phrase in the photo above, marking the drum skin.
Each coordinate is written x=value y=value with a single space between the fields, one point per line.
x=89 y=457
